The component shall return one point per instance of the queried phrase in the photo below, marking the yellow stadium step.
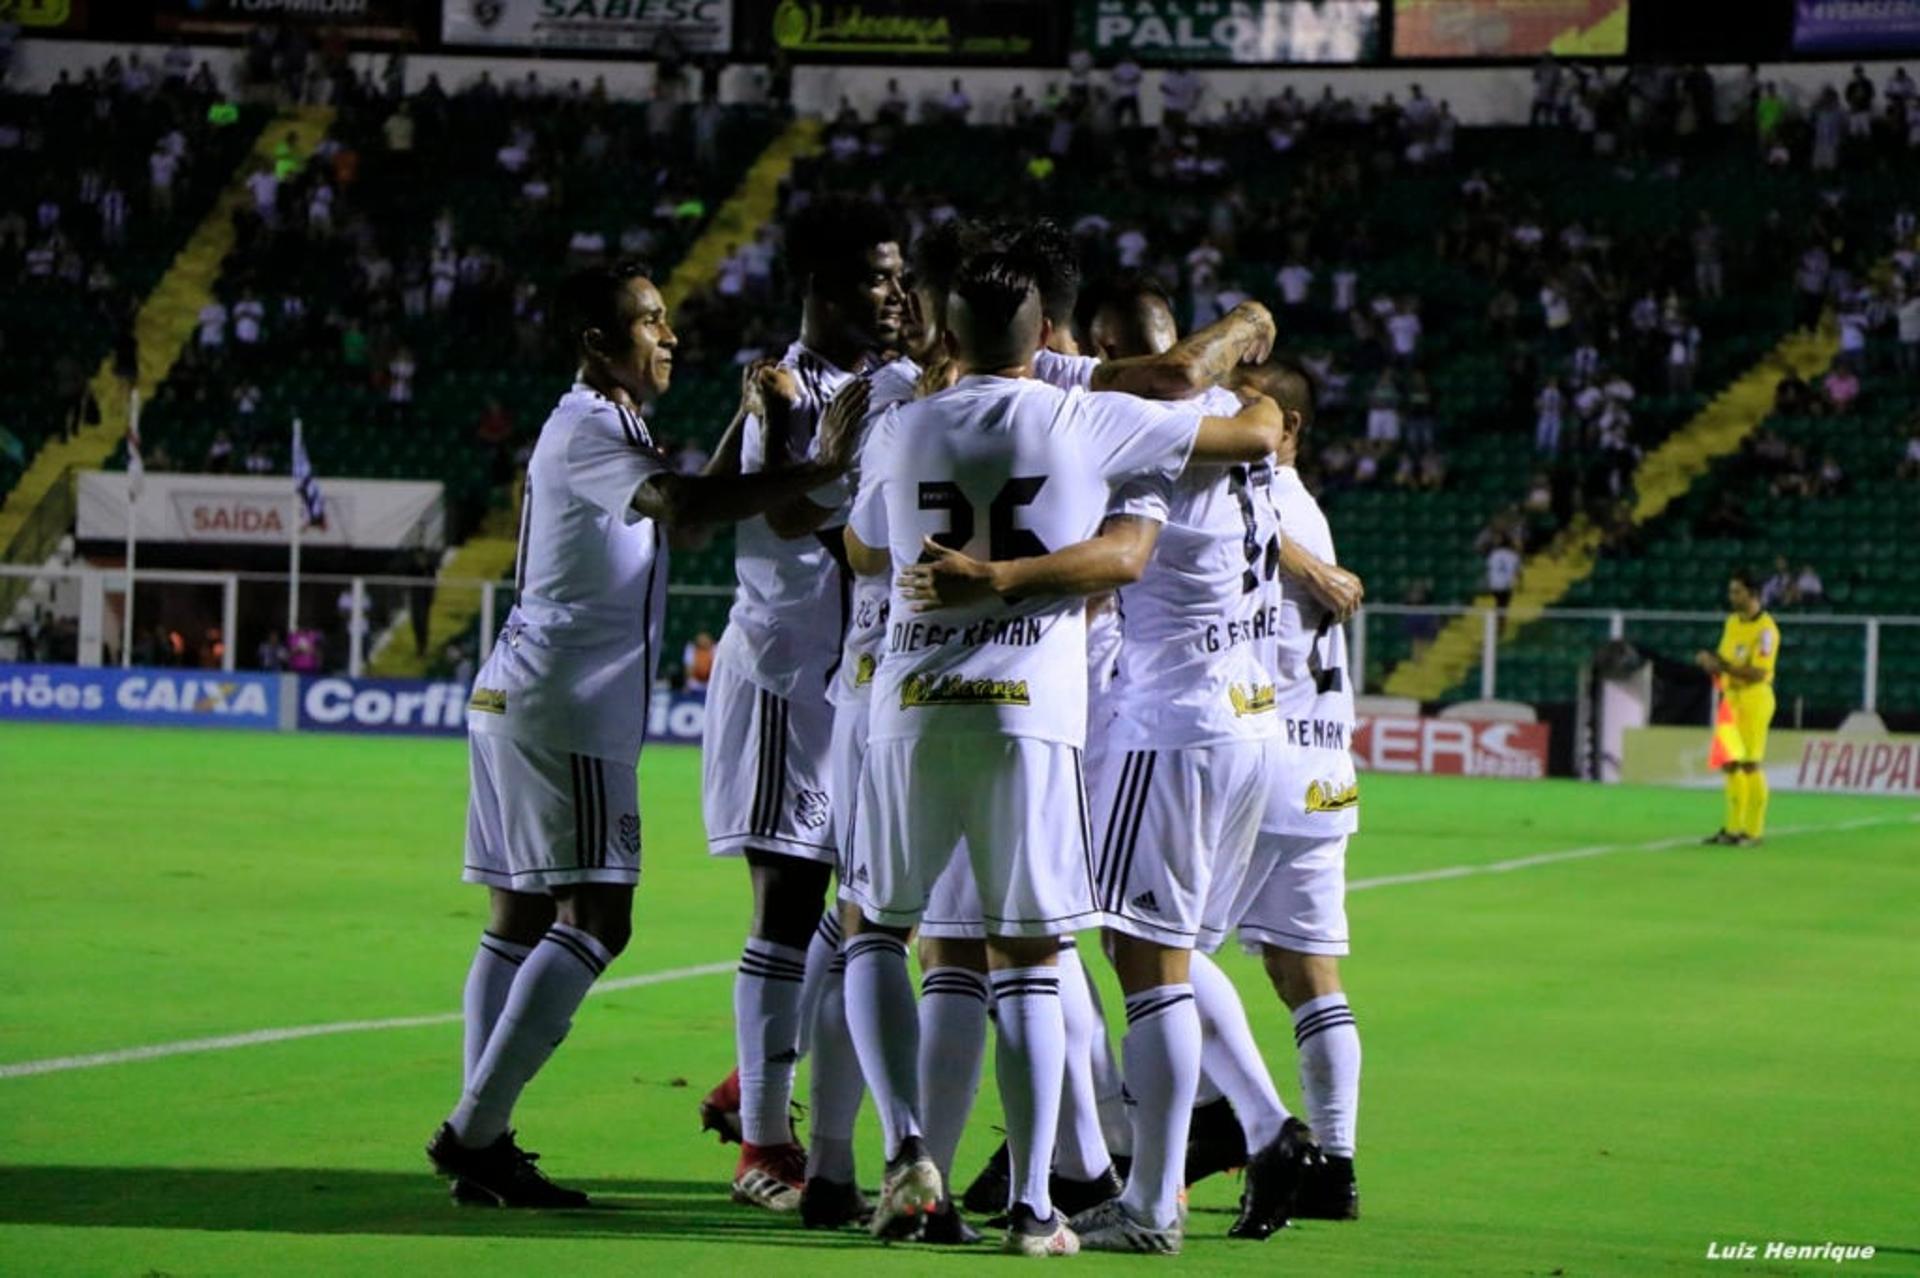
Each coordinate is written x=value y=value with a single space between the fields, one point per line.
x=1662 y=477
x=488 y=554
x=485 y=556
x=39 y=510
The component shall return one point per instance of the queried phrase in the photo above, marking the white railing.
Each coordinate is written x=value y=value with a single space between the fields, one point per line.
x=86 y=605
x=1623 y=623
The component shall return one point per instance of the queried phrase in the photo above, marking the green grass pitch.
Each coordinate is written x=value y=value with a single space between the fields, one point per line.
x=1589 y=1065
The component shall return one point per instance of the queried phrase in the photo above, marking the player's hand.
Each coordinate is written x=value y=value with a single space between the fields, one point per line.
x=1263 y=332
x=945 y=579
x=1707 y=661
x=843 y=426
x=750 y=397
x=778 y=389
x=1339 y=591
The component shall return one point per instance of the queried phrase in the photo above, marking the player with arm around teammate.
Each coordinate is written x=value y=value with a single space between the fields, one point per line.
x=979 y=713
x=558 y=712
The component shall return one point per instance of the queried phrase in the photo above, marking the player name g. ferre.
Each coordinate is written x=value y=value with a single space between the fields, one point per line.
x=1019 y=632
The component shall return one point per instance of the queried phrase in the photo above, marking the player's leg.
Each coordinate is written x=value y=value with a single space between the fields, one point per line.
x=516 y=922
x=570 y=824
x=1161 y=1054
x=1734 y=781
x=1298 y=918
x=954 y=1007
x=1083 y=1166
x=776 y=814
x=1029 y=841
x=903 y=835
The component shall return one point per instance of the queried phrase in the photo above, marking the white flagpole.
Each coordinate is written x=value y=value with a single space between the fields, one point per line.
x=133 y=484
x=293 y=571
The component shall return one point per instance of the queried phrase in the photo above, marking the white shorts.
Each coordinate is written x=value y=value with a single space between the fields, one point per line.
x=1174 y=833
x=1019 y=805
x=846 y=752
x=953 y=907
x=763 y=770
x=539 y=818
x=1295 y=897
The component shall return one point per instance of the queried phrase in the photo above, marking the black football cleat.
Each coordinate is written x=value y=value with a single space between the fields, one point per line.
x=1215 y=1141
x=1273 y=1181
x=991 y=1189
x=946 y=1227
x=833 y=1204
x=1071 y=1197
x=1721 y=839
x=1328 y=1191
x=466 y=1195
x=502 y=1171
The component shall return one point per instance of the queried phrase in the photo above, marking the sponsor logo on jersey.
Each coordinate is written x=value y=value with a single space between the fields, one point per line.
x=954 y=690
x=812 y=808
x=1146 y=903
x=1326 y=796
x=1249 y=699
x=488 y=701
x=630 y=834
x=863 y=670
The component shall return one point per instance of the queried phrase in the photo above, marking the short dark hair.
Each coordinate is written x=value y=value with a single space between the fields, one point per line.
x=940 y=250
x=830 y=237
x=1746 y=577
x=1055 y=259
x=592 y=299
x=993 y=288
x=1289 y=383
x=1124 y=289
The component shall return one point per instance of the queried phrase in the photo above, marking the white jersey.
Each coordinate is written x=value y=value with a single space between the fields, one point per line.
x=1191 y=670
x=574 y=665
x=1315 y=791
x=893 y=383
x=789 y=606
x=897 y=383
x=1001 y=468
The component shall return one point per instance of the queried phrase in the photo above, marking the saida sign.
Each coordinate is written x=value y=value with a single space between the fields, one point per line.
x=931 y=29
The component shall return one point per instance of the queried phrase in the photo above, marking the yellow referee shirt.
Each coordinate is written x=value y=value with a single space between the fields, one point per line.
x=1753 y=643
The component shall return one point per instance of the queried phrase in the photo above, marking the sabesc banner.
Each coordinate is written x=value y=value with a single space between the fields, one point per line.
x=1242 y=31
x=698 y=26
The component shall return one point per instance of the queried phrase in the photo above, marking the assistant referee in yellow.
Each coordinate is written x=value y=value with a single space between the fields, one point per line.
x=1743 y=669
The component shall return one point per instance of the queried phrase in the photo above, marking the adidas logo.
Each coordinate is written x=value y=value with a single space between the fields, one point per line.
x=1145 y=903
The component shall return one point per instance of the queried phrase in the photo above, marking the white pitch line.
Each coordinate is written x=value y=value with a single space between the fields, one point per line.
x=254 y=1038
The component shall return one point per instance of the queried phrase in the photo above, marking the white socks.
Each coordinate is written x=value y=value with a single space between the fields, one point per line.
x=1031 y=1062
x=823 y=951
x=1080 y=1151
x=1109 y=1088
x=836 y=1086
x=1162 y=1051
x=539 y=1009
x=495 y=963
x=1232 y=1058
x=953 y=1046
x=1329 y=1043
x=886 y=1031
x=766 y=1029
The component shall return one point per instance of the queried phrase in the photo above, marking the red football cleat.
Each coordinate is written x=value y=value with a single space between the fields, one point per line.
x=770 y=1176
x=720 y=1110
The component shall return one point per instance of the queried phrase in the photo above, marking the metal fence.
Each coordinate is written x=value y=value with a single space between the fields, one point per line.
x=76 y=614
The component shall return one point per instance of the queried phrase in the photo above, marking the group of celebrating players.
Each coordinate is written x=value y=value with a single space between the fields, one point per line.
x=1026 y=642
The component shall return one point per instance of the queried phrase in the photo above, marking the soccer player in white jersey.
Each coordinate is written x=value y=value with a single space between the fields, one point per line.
x=979 y=712
x=559 y=711
x=766 y=793
x=1178 y=802
x=1296 y=915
